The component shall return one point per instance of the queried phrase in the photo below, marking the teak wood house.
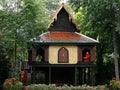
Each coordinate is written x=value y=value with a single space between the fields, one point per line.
x=59 y=53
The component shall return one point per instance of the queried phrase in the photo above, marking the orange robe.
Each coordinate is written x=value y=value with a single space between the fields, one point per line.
x=87 y=57
x=24 y=76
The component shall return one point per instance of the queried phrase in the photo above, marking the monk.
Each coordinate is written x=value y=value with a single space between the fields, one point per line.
x=87 y=57
x=24 y=76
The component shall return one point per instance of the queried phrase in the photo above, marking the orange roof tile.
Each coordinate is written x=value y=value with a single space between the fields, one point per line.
x=65 y=36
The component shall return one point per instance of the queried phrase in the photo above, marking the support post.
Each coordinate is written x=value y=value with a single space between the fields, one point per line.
x=33 y=75
x=81 y=76
x=49 y=75
x=75 y=82
x=92 y=76
x=88 y=75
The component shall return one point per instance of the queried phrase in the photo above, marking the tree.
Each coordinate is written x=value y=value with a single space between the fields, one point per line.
x=25 y=20
x=102 y=16
x=103 y=48
x=20 y=20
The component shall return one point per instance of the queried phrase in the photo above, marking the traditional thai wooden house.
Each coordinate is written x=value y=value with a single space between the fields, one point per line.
x=59 y=53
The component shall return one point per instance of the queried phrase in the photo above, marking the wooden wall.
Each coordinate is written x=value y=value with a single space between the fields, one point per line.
x=50 y=54
x=72 y=52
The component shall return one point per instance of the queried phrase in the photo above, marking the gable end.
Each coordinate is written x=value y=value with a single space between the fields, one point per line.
x=63 y=21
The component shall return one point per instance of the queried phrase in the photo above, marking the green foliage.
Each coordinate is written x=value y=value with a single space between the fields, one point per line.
x=51 y=6
x=40 y=78
x=98 y=23
x=5 y=65
x=97 y=13
x=79 y=17
x=64 y=87
x=20 y=20
x=25 y=19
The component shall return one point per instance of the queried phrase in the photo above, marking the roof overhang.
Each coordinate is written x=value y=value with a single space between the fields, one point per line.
x=63 y=42
x=64 y=38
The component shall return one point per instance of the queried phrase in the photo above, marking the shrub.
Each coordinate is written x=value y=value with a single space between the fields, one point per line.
x=40 y=78
x=64 y=87
x=114 y=85
x=12 y=84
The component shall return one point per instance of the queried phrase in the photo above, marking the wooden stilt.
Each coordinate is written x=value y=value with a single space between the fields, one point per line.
x=75 y=82
x=49 y=75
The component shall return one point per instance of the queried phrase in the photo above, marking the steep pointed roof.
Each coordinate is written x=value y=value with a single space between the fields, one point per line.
x=63 y=30
x=64 y=15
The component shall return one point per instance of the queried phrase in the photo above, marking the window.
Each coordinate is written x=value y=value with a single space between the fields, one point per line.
x=63 y=55
x=86 y=55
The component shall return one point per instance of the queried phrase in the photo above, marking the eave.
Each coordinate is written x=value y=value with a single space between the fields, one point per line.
x=63 y=42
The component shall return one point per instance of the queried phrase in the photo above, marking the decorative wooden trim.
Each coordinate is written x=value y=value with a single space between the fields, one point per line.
x=63 y=55
x=70 y=16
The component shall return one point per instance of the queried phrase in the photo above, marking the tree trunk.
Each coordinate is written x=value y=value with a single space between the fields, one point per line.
x=0 y=37
x=116 y=55
x=115 y=45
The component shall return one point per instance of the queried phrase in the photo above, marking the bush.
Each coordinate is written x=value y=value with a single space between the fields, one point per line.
x=114 y=85
x=12 y=84
x=64 y=87
x=40 y=78
x=15 y=84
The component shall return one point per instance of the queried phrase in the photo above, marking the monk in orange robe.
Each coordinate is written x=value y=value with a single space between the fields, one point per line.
x=87 y=57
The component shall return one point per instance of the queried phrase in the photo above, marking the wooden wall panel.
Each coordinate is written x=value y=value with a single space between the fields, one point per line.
x=93 y=54
x=29 y=56
x=79 y=54
x=46 y=54
x=34 y=52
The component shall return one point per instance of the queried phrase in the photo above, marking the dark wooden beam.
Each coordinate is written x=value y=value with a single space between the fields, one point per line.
x=92 y=76
x=44 y=64
x=33 y=75
x=75 y=76
x=49 y=75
